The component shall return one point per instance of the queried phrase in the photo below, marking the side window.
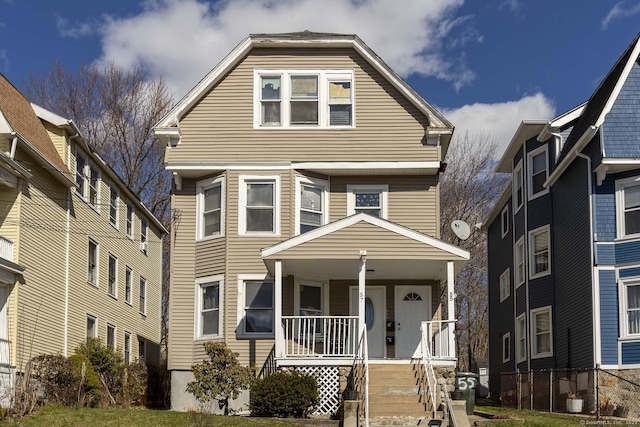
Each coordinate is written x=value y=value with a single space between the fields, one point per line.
x=208 y=300
x=630 y=307
x=92 y=262
x=92 y=326
x=130 y=220
x=519 y=267
x=112 y=286
x=143 y=296
x=539 y=251
x=541 y=338
x=144 y=229
x=210 y=208
x=505 y=221
x=128 y=283
x=114 y=201
x=521 y=337
x=518 y=197
x=259 y=210
x=505 y=285
x=628 y=207
x=370 y=199
x=506 y=347
x=538 y=171
x=311 y=204
x=256 y=306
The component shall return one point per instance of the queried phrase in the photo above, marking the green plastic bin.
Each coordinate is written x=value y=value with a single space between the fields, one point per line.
x=466 y=383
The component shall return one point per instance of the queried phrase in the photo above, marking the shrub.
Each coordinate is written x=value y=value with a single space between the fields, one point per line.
x=88 y=385
x=284 y=394
x=221 y=378
x=135 y=383
x=109 y=366
x=55 y=375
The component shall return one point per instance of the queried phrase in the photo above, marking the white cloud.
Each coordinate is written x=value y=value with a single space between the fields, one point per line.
x=619 y=11
x=74 y=30
x=499 y=121
x=183 y=39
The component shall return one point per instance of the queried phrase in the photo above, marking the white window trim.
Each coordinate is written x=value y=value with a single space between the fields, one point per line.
x=544 y=228
x=534 y=347
x=322 y=284
x=130 y=285
x=126 y=348
x=95 y=326
x=84 y=190
x=242 y=278
x=116 y=222
x=519 y=280
x=208 y=280
x=621 y=184
x=242 y=202
x=315 y=182
x=623 y=304
x=144 y=347
x=352 y=189
x=507 y=294
x=115 y=282
x=201 y=186
x=115 y=336
x=133 y=221
x=506 y=340
x=144 y=236
x=518 y=178
x=97 y=272
x=143 y=309
x=324 y=77
x=521 y=357
x=504 y=221
x=530 y=156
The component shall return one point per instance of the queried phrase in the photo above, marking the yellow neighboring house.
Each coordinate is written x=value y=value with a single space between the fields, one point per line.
x=80 y=255
x=306 y=180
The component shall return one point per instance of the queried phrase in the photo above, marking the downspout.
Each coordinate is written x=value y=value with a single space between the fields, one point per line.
x=14 y=144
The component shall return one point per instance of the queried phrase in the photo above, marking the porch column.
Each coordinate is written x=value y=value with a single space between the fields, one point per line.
x=277 y=308
x=451 y=307
x=361 y=294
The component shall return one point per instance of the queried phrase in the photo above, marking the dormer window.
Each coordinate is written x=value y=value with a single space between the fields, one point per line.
x=303 y=98
x=538 y=172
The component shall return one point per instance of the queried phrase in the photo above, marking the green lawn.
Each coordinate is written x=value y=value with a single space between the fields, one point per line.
x=536 y=419
x=85 y=417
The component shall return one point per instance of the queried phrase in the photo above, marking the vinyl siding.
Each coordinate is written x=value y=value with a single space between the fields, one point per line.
x=608 y=317
x=220 y=127
x=630 y=353
x=58 y=137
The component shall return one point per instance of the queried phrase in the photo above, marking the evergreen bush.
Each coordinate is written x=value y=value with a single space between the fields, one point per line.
x=284 y=394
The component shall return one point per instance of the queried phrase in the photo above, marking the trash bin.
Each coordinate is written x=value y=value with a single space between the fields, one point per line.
x=466 y=382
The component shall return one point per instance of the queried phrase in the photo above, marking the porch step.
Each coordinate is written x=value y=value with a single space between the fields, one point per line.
x=406 y=421
x=394 y=394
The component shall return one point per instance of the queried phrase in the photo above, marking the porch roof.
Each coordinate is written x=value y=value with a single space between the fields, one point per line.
x=394 y=252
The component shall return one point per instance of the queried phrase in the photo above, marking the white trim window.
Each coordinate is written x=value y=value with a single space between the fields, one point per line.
x=88 y=181
x=506 y=347
x=143 y=296
x=537 y=172
x=256 y=306
x=208 y=322
x=259 y=205
x=630 y=308
x=518 y=193
x=114 y=202
x=370 y=199
x=130 y=220
x=505 y=285
x=142 y=349
x=127 y=347
x=311 y=298
x=128 y=284
x=112 y=285
x=93 y=197
x=144 y=230
x=540 y=252
x=541 y=333
x=504 y=221
x=81 y=180
x=93 y=254
x=303 y=98
x=521 y=338
x=111 y=337
x=628 y=207
x=92 y=326
x=210 y=199
x=312 y=200
x=519 y=267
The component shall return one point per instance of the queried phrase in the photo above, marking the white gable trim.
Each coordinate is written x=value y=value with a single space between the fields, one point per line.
x=353 y=219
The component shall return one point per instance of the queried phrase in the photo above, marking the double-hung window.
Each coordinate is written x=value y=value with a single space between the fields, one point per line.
x=142 y=349
x=540 y=262
x=111 y=337
x=505 y=285
x=127 y=347
x=518 y=195
x=256 y=306
x=114 y=199
x=631 y=308
x=521 y=337
x=81 y=180
x=311 y=204
x=144 y=229
x=303 y=98
x=504 y=221
x=538 y=171
x=370 y=199
x=208 y=299
x=541 y=338
x=130 y=218
x=259 y=208
x=143 y=295
x=128 y=283
x=94 y=187
x=519 y=262
x=92 y=263
x=628 y=207
x=88 y=181
x=209 y=205
x=506 y=347
x=112 y=286
x=92 y=326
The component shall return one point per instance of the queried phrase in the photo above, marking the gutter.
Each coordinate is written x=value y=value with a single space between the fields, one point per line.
x=575 y=151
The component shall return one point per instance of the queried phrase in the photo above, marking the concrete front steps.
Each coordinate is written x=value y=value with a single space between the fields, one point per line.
x=396 y=398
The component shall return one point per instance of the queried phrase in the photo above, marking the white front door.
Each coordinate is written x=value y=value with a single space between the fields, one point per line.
x=413 y=305
x=374 y=316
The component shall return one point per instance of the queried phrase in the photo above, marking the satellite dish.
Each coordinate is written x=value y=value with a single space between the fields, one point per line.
x=461 y=229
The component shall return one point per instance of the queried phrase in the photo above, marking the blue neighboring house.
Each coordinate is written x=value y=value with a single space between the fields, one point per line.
x=564 y=237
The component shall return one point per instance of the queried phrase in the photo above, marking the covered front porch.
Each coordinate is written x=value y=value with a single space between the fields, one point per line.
x=363 y=279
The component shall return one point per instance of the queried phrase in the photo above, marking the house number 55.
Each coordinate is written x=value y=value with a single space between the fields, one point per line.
x=463 y=383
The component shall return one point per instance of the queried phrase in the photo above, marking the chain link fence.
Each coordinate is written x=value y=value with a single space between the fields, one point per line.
x=595 y=392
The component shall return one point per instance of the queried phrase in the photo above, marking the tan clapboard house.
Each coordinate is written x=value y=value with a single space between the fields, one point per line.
x=80 y=255
x=306 y=187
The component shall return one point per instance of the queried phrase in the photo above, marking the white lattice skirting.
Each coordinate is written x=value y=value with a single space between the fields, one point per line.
x=328 y=378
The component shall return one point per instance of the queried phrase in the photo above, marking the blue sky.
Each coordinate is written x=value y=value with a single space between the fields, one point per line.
x=487 y=64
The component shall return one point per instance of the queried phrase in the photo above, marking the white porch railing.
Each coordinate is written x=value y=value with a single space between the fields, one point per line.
x=5 y=352
x=6 y=249
x=320 y=336
x=439 y=336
